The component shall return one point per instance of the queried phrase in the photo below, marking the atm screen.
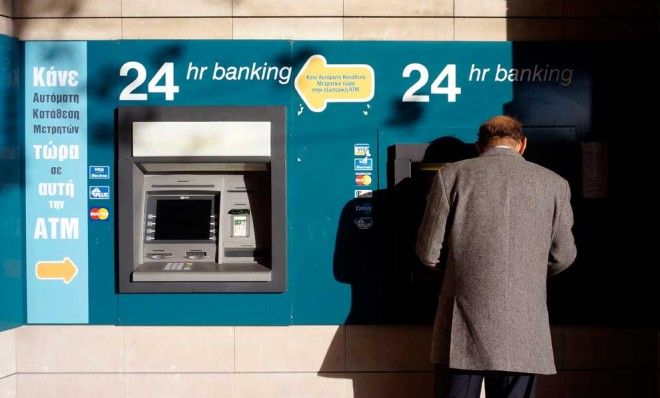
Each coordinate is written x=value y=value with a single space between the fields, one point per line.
x=183 y=219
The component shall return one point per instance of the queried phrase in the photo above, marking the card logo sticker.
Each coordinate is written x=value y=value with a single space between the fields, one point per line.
x=99 y=192
x=362 y=150
x=363 y=164
x=364 y=193
x=100 y=214
x=99 y=172
x=364 y=208
x=363 y=179
x=364 y=223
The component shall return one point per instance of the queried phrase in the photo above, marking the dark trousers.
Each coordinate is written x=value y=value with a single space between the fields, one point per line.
x=453 y=383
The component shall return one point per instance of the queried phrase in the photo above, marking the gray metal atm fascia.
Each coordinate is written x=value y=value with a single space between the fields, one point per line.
x=276 y=115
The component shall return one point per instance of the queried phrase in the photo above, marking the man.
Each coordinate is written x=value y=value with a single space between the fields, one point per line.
x=505 y=224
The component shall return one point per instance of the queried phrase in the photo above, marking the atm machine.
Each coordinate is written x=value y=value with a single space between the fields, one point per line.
x=411 y=169
x=200 y=199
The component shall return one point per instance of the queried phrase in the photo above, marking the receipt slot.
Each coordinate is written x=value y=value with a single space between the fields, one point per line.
x=201 y=199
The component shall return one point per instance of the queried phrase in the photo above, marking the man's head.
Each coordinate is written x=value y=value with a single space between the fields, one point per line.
x=501 y=130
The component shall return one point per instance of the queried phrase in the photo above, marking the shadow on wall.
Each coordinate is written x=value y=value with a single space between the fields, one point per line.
x=374 y=253
x=611 y=248
x=405 y=113
x=582 y=20
x=611 y=283
x=40 y=8
x=374 y=249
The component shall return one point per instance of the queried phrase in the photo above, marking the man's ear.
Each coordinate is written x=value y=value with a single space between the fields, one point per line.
x=523 y=145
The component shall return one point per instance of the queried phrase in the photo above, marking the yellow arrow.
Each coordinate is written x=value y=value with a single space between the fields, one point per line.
x=318 y=83
x=64 y=270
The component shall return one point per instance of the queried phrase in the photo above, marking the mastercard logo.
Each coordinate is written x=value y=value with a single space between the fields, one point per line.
x=363 y=179
x=100 y=213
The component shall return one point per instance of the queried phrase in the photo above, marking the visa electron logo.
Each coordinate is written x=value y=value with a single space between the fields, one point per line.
x=99 y=172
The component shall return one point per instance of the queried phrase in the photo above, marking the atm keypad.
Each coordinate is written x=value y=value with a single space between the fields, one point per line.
x=177 y=267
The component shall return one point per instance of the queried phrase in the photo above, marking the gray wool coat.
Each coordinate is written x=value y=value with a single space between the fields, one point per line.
x=506 y=225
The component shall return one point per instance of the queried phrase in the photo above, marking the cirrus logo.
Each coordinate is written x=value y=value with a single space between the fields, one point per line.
x=365 y=208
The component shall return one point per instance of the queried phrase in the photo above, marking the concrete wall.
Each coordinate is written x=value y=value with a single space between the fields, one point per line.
x=331 y=19
x=295 y=361
x=8 y=363
x=6 y=21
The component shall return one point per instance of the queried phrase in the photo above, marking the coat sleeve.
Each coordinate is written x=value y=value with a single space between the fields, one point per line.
x=562 y=250
x=432 y=230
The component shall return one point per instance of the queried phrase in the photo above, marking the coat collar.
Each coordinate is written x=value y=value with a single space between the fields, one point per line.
x=501 y=152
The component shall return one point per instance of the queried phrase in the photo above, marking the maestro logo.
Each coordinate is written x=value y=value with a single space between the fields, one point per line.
x=99 y=213
x=363 y=179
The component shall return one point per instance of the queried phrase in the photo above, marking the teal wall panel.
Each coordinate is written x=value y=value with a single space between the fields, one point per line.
x=103 y=91
x=339 y=247
x=208 y=308
x=12 y=195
